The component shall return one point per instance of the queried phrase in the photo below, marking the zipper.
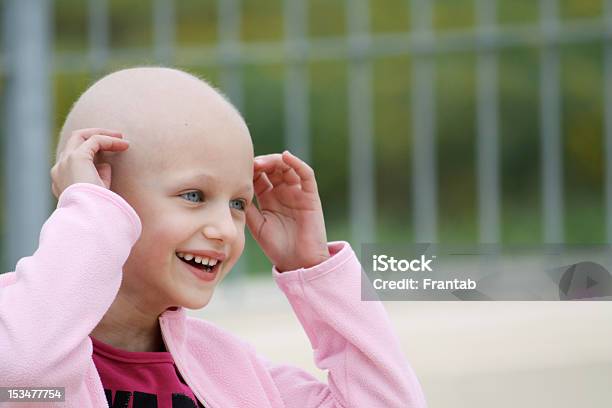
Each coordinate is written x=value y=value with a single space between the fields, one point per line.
x=182 y=371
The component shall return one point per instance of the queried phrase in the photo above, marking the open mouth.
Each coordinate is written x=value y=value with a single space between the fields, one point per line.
x=205 y=268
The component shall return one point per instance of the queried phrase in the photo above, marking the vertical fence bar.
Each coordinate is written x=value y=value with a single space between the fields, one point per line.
x=297 y=129
x=164 y=27
x=423 y=126
x=608 y=117
x=98 y=35
x=488 y=124
x=229 y=42
x=362 y=168
x=28 y=121
x=231 y=84
x=550 y=106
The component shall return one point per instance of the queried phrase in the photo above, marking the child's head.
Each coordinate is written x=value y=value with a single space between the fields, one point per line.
x=188 y=174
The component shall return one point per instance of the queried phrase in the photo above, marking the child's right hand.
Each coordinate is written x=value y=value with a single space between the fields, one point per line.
x=76 y=162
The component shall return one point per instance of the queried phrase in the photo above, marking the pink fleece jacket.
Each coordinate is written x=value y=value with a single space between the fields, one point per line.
x=52 y=301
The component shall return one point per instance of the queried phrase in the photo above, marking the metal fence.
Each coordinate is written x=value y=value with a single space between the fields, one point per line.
x=27 y=65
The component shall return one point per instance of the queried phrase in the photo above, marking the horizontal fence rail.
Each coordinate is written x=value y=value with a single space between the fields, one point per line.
x=334 y=48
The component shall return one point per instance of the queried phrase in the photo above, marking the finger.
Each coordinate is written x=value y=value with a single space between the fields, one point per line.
x=254 y=220
x=79 y=136
x=104 y=170
x=276 y=177
x=291 y=178
x=270 y=162
x=261 y=184
x=276 y=169
x=265 y=157
x=287 y=176
x=98 y=143
x=262 y=188
x=303 y=170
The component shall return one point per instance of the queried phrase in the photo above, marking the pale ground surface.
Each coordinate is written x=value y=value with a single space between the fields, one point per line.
x=466 y=354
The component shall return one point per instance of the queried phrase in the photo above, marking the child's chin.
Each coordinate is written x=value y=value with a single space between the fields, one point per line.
x=196 y=301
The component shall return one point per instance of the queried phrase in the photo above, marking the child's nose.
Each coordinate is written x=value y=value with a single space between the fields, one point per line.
x=220 y=225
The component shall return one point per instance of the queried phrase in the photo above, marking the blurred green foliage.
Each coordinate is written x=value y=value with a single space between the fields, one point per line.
x=262 y=20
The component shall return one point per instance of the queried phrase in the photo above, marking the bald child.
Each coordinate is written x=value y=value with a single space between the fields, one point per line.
x=156 y=180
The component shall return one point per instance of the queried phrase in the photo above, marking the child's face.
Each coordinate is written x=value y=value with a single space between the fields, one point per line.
x=190 y=187
x=189 y=176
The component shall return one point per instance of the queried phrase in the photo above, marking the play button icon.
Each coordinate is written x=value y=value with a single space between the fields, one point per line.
x=585 y=280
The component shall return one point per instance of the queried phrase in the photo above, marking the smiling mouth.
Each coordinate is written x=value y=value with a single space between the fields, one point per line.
x=205 y=268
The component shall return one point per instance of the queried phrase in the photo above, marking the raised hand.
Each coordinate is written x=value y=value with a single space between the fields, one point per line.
x=288 y=225
x=76 y=162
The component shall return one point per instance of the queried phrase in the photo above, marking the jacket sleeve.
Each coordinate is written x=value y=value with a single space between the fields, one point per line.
x=64 y=289
x=352 y=339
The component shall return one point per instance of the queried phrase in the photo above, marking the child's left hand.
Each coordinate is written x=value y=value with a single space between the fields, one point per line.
x=289 y=225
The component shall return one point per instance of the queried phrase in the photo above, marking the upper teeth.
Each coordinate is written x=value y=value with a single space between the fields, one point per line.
x=198 y=259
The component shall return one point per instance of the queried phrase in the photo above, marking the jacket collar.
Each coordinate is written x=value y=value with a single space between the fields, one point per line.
x=173 y=312
x=172 y=323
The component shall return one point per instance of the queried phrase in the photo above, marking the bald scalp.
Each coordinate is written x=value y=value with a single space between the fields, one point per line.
x=154 y=108
x=122 y=100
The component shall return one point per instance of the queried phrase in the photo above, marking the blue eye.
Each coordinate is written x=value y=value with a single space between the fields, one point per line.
x=196 y=194
x=242 y=203
x=192 y=194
